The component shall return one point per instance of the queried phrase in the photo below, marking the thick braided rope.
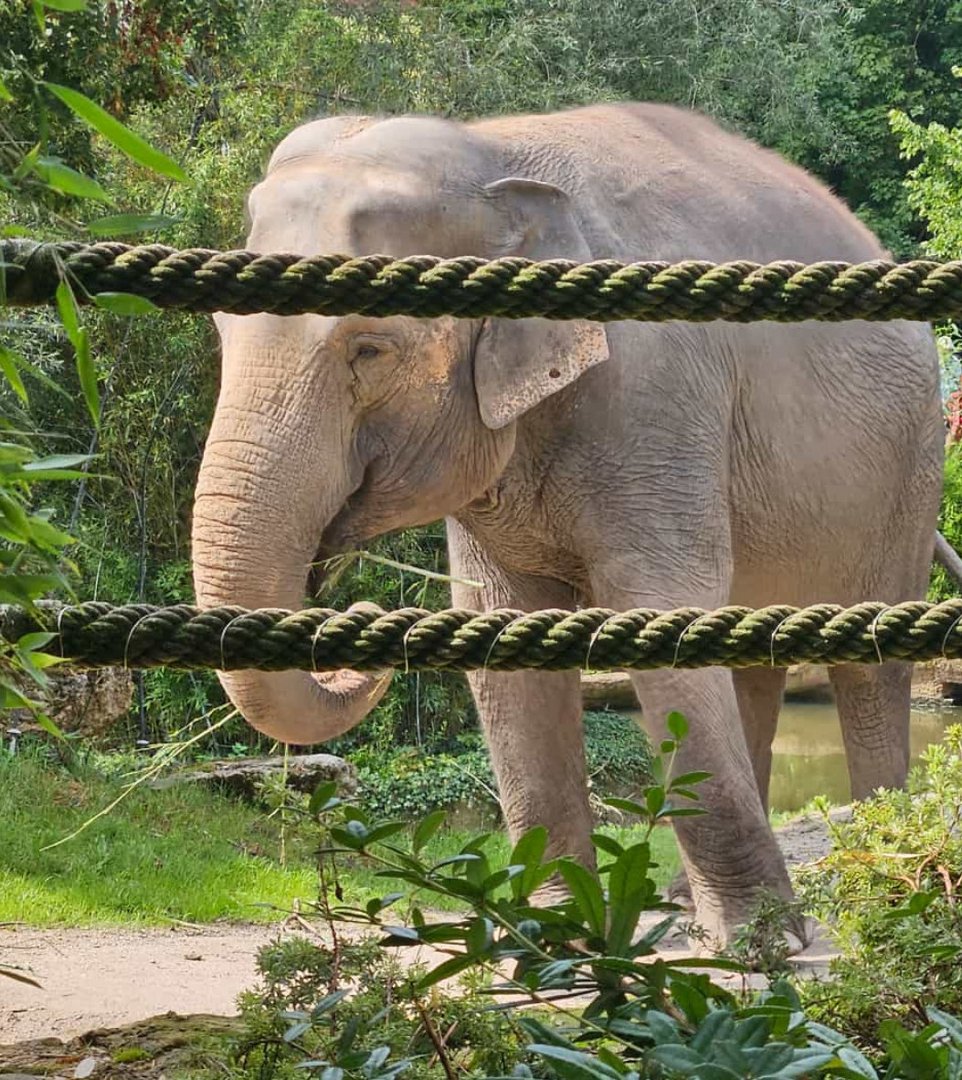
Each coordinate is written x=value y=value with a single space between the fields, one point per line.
x=319 y=639
x=245 y=282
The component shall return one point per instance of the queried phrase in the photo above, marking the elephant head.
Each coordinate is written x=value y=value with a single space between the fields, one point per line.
x=331 y=431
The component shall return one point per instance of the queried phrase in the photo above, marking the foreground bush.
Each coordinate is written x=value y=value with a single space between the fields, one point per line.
x=599 y=1002
x=890 y=891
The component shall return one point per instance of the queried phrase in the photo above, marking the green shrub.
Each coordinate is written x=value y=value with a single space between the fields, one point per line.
x=889 y=891
x=410 y=781
x=384 y=1023
x=950 y=521
x=582 y=996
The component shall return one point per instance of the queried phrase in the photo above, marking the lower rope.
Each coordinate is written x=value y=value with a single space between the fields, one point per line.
x=412 y=639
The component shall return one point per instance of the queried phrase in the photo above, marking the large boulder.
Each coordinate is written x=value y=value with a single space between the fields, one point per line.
x=243 y=776
x=84 y=703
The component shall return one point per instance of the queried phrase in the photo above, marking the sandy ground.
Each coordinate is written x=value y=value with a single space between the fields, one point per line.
x=107 y=977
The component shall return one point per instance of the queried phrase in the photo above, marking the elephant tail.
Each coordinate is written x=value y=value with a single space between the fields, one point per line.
x=948 y=558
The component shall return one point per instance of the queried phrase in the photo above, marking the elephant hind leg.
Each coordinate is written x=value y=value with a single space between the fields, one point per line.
x=759 y=692
x=874 y=705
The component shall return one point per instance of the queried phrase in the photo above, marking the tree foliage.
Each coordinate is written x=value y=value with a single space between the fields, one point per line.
x=216 y=84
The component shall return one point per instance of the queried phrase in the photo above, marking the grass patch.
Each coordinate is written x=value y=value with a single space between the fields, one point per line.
x=182 y=853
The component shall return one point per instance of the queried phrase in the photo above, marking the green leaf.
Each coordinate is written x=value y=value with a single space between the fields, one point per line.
x=14 y=522
x=40 y=376
x=25 y=588
x=12 y=697
x=327 y=1003
x=586 y=892
x=68 y=181
x=32 y=642
x=457 y=860
x=44 y=721
x=65 y=5
x=426 y=828
x=57 y=461
x=630 y=890
x=856 y=1062
x=28 y=164
x=677 y=726
x=9 y=366
x=573 y=1064
x=69 y=313
x=690 y=778
x=382 y=832
x=295 y=1031
x=949 y=1024
x=608 y=844
x=44 y=660
x=125 y=303
x=529 y=852
x=627 y=806
x=5 y=94
x=87 y=374
x=480 y=936
x=917 y=903
x=321 y=796
x=136 y=148
x=447 y=970
x=127 y=224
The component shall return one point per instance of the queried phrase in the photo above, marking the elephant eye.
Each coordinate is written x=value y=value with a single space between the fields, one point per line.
x=366 y=349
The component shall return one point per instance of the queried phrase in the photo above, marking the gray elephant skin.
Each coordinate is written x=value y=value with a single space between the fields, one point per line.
x=623 y=465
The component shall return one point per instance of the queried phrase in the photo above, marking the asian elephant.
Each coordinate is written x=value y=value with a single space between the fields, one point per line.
x=622 y=465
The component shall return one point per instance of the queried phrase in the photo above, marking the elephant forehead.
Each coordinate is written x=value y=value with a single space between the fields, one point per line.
x=361 y=209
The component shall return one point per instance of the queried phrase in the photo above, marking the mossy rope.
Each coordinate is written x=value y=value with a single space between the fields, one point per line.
x=412 y=639
x=244 y=282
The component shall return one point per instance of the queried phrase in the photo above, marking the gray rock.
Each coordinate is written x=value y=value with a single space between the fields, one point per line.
x=244 y=775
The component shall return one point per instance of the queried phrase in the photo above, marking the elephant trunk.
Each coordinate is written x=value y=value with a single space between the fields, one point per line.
x=256 y=528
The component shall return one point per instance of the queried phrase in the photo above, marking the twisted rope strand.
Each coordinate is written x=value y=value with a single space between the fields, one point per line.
x=245 y=282
x=319 y=639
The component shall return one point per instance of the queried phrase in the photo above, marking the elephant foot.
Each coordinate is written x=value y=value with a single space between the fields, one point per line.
x=755 y=928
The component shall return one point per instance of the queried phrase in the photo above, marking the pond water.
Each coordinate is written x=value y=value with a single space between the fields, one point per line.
x=810 y=758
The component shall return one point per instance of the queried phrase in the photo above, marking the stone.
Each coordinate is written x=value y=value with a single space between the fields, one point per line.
x=84 y=703
x=243 y=776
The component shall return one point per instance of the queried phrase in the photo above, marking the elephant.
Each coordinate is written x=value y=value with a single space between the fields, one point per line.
x=624 y=465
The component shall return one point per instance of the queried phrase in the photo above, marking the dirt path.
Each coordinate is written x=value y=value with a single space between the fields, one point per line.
x=105 y=977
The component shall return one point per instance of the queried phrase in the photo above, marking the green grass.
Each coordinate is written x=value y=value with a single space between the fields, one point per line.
x=184 y=853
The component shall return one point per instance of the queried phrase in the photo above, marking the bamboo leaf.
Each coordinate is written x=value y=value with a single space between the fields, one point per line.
x=10 y=369
x=125 y=303
x=87 y=374
x=68 y=181
x=124 y=224
x=136 y=148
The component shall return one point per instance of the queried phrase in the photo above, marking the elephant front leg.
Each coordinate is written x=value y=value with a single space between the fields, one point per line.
x=532 y=724
x=531 y=720
x=729 y=853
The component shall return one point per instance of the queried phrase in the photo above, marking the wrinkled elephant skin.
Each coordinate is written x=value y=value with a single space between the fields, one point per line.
x=632 y=465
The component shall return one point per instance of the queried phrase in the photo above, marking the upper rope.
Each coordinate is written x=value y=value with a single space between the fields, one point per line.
x=244 y=282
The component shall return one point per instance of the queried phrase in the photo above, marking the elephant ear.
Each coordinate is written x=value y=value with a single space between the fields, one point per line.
x=520 y=362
